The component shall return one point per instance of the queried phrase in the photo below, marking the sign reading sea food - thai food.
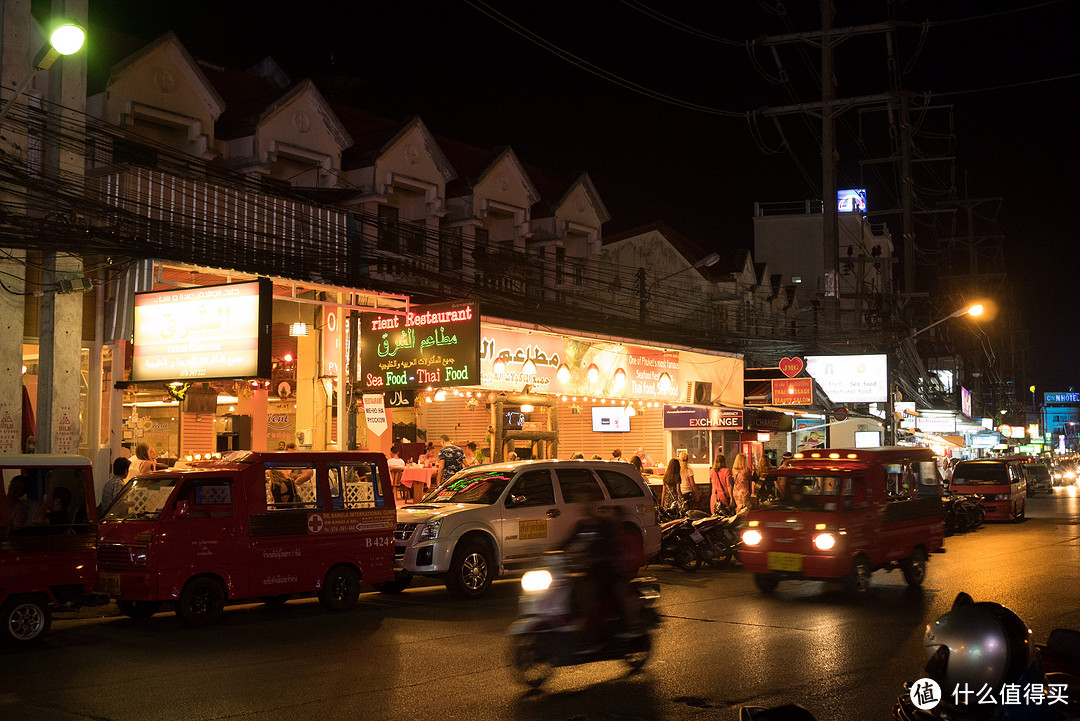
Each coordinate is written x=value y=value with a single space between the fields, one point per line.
x=426 y=347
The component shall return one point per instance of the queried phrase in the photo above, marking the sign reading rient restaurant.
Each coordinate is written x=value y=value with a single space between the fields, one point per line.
x=695 y=417
x=426 y=347
x=212 y=332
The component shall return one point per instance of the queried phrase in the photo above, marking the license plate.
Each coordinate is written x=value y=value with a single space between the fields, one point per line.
x=697 y=537
x=785 y=561
x=110 y=583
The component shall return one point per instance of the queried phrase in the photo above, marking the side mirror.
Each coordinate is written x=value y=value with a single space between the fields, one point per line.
x=515 y=501
x=183 y=508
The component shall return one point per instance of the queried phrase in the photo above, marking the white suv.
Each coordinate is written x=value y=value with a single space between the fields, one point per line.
x=499 y=518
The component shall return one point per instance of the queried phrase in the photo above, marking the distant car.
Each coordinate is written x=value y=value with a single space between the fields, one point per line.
x=1063 y=475
x=1038 y=478
x=499 y=518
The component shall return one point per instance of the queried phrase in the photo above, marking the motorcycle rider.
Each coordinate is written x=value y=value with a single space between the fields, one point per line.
x=610 y=559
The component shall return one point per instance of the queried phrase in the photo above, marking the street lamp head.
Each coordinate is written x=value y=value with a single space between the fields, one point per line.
x=976 y=309
x=709 y=260
x=67 y=39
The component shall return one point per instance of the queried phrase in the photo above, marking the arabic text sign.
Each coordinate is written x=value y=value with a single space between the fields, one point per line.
x=219 y=331
x=792 y=391
x=427 y=347
x=851 y=379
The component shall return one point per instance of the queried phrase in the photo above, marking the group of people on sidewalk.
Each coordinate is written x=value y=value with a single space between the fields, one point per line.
x=732 y=489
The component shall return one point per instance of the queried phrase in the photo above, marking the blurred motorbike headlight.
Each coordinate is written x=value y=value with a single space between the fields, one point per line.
x=430 y=531
x=824 y=541
x=536 y=581
x=751 y=537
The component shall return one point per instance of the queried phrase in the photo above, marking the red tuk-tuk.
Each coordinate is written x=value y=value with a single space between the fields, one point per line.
x=47 y=531
x=249 y=526
x=841 y=514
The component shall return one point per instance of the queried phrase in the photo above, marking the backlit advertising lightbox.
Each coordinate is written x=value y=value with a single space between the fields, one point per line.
x=212 y=332
x=851 y=378
x=851 y=201
x=965 y=401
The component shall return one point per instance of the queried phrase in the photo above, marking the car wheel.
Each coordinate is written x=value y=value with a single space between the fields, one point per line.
x=401 y=581
x=1022 y=512
x=530 y=660
x=138 y=609
x=26 y=619
x=201 y=602
x=858 y=581
x=914 y=568
x=687 y=557
x=766 y=582
x=471 y=571
x=341 y=588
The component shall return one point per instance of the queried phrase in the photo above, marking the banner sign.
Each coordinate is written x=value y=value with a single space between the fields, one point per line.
x=793 y=391
x=375 y=413
x=211 y=332
x=433 y=346
x=851 y=379
x=400 y=399
x=511 y=359
x=699 y=417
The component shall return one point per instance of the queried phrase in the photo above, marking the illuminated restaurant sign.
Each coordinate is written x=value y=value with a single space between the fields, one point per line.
x=511 y=359
x=698 y=417
x=430 y=346
x=212 y=332
x=792 y=391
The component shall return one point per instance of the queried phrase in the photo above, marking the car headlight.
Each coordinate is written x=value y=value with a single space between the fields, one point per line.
x=1070 y=474
x=824 y=541
x=1002 y=497
x=430 y=531
x=138 y=556
x=536 y=581
x=751 y=537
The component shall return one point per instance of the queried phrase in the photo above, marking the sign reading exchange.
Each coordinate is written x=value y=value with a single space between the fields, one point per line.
x=427 y=347
x=696 y=417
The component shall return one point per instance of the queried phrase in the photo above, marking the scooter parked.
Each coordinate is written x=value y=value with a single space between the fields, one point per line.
x=721 y=538
x=548 y=633
x=680 y=544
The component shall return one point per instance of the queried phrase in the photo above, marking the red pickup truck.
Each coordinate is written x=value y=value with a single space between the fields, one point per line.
x=841 y=514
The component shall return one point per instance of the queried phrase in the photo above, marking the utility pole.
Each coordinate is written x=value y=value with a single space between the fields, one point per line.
x=830 y=232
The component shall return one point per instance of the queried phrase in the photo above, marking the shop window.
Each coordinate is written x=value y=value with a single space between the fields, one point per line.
x=291 y=487
x=578 y=485
x=695 y=443
x=356 y=485
x=620 y=485
x=535 y=487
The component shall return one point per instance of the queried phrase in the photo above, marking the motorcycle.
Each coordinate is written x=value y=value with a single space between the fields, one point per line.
x=545 y=636
x=721 y=538
x=1003 y=658
x=680 y=544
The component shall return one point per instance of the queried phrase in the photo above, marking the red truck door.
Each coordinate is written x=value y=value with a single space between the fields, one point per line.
x=286 y=499
x=198 y=535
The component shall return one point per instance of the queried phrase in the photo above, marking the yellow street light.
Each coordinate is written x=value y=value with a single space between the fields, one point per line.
x=66 y=39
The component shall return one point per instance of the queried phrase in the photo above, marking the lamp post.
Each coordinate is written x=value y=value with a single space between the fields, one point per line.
x=66 y=39
x=972 y=310
x=643 y=297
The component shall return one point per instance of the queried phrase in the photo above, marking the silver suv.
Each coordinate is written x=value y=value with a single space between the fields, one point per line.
x=499 y=518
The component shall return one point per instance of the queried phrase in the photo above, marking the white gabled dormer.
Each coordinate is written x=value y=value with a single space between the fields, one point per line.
x=576 y=222
x=160 y=93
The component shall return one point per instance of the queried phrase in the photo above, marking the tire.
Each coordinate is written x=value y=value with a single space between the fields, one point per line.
x=914 y=568
x=201 y=602
x=687 y=557
x=138 y=609
x=1023 y=512
x=766 y=582
x=401 y=581
x=26 y=620
x=471 y=571
x=529 y=660
x=857 y=582
x=725 y=558
x=341 y=589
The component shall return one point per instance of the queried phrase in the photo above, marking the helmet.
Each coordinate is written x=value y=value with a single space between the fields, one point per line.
x=977 y=643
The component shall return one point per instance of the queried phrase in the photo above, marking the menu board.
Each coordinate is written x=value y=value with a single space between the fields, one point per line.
x=431 y=346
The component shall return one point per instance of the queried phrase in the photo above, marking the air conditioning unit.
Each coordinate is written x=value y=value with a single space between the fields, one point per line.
x=698 y=393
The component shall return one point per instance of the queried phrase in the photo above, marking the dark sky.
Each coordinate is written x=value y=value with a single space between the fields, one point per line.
x=701 y=170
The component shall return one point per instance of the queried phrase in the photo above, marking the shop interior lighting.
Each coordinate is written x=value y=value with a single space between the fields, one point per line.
x=563 y=373
x=619 y=379
x=499 y=365
x=630 y=410
x=528 y=367
x=664 y=382
x=440 y=395
x=298 y=329
x=592 y=373
x=526 y=408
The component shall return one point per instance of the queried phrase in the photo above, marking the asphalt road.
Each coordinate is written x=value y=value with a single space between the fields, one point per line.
x=424 y=655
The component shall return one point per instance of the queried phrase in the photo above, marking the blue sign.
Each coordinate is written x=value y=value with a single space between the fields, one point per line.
x=1062 y=397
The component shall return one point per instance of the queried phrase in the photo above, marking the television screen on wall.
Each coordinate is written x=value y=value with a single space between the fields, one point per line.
x=610 y=420
x=867 y=439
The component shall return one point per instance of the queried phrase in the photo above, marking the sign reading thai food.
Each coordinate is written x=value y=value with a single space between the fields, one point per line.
x=425 y=347
x=212 y=332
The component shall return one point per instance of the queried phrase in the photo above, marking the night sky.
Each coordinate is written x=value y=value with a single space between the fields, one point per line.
x=699 y=169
